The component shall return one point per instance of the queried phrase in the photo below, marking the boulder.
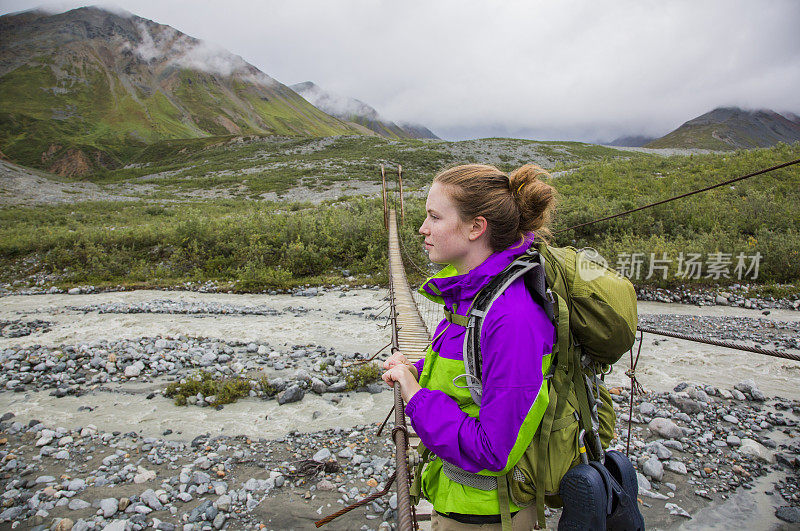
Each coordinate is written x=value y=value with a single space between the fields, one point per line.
x=665 y=428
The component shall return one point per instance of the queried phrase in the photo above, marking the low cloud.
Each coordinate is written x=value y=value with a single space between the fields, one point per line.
x=583 y=70
x=164 y=42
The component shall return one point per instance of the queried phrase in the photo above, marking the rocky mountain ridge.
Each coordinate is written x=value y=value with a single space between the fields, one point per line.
x=726 y=128
x=77 y=89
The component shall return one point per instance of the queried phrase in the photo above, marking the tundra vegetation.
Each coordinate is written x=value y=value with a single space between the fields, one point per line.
x=250 y=244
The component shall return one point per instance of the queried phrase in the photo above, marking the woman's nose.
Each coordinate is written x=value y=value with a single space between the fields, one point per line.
x=422 y=228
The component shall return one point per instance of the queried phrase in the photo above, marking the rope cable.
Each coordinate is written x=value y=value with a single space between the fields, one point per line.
x=730 y=181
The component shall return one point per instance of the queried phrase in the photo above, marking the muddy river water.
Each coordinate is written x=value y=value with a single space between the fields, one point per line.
x=330 y=319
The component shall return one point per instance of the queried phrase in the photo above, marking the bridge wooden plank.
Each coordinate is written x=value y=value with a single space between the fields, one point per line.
x=413 y=336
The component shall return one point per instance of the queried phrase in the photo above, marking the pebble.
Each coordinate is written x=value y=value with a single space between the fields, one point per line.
x=676 y=510
x=676 y=466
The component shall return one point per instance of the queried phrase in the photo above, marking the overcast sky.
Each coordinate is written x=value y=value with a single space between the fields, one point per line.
x=581 y=70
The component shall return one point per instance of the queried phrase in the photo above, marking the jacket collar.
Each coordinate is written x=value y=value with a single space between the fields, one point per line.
x=447 y=287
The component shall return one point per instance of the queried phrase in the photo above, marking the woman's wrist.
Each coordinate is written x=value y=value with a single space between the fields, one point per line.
x=409 y=390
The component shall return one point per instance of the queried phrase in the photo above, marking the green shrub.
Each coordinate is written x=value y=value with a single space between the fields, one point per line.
x=226 y=390
x=362 y=374
x=267 y=388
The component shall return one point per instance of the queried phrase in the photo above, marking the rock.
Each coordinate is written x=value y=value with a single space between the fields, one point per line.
x=133 y=370
x=318 y=386
x=74 y=291
x=302 y=375
x=644 y=483
x=393 y=501
x=730 y=418
x=144 y=476
x=733 y=440
x=675 y=445
x=150 y=499
x=322 y=455
x=675 y=510
x=686 y=404
x=292 y=394
x=757 y=450
x=660 y=451
x=647 y=409
x=219 y=520
x=325 y=485
x=76 y=485
x=665 y=428
x=200 y=478
x=653 y=469
x=116 y=525
x=788 y=514
x=749 y=388
x=346 y=453
x=208 y=359
x=12 y=513
x=738 y=395
x=76 y=504
x=223 y=503
x=109 y=506
x=337 y=387
x=652 y=494
x=65 y=524
x=676 y=466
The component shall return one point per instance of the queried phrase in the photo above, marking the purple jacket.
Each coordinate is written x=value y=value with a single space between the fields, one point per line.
x=516 y=336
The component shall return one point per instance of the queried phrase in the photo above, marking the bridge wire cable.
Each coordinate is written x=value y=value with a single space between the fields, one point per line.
x=730 y=181
x=727 y=344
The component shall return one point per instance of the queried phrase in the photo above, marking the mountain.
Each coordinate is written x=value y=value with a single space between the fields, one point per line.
x=631 y=141
x=358 y=112
x=78 y=89
x=733 y=128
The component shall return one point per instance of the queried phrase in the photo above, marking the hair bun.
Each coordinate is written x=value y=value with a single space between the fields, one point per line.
x=535 y=198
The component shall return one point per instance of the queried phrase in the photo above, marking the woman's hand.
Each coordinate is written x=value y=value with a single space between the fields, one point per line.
x=398 y=358
x=401 y=373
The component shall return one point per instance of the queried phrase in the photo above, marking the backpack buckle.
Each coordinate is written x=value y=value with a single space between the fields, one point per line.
x=467 y=376
x=550 y=297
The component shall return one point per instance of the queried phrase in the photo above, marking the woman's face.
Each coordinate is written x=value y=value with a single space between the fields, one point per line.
x=446 y=235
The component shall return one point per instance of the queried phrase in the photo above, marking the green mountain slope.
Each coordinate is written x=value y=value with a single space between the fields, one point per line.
x=82 y=88
x=727 y=128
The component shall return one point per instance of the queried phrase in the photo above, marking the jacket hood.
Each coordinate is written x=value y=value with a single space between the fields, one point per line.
x=447 y=287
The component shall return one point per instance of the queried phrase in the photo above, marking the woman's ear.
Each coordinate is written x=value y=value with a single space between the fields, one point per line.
x=479 y=226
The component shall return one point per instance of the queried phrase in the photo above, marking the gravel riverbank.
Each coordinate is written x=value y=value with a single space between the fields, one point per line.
x=89 y=441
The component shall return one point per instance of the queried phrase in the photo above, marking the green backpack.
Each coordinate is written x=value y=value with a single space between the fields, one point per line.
x=594 y=311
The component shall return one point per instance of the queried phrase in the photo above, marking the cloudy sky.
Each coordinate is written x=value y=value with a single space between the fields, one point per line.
x=581 y=70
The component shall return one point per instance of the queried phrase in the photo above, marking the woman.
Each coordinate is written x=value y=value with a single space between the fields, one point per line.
x=478 y=221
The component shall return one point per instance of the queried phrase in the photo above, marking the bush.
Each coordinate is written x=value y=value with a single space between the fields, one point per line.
x=362 y=374
x=226 y=391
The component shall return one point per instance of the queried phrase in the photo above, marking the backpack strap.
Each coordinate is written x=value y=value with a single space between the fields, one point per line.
x=479 y=308
x=560 y=386
x=453 y=317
